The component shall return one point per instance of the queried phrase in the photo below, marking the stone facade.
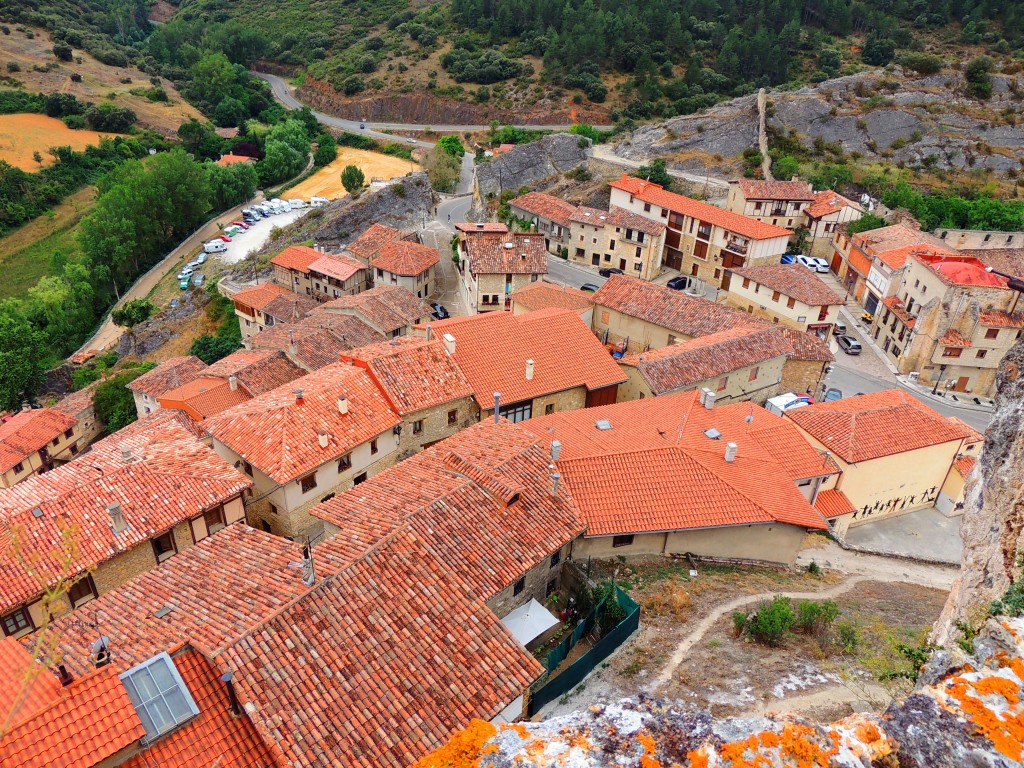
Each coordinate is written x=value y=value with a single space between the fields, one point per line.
x=566 y=400
x=803 y=376
x=601 y=244
x=536 y=584
x=754 y=383
x=489 y=293
x=423 y=428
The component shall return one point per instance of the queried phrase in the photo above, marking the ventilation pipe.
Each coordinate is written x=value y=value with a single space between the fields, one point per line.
x=497 y=407
x=342 y=405
x=556 y=450
x=730 y=452
x=233 y=383
x=65 y=677
x=430 y=332
x=555 y=480
x=449 y=343
x=226 y=678
x=529 y=370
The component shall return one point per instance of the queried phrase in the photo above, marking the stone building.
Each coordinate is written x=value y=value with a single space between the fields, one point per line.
x=317 y=341
x=323 y=276
x=492 y=265
x=409 y=265
x=250 y=304
x=780 y=203
x=787 y=294
x=388 y=309
x=548 y=215
x=81 y=407
x=33 y=441
x=137 y=498
x=171 y=373
x=825 y=215
x=702 y=240
x=619 y=239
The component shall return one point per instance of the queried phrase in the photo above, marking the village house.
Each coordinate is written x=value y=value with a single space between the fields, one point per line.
x=894 y=452
x=466 y=229
x=409 y=265
x=548 y=215
x=322 y=276
x=980 y=239
x=825 y=214
x=231 y=380
x=305 y=440
x=545 y=295
x=230 y=159
x=316 y=341
x=492 y=266
x=702 y=240
x=250 y=303
x=368 y=245
x=742 y=363
x=33 y=441
x=807 y=365
x=787 y=294
x=533 y=364
x=135 y=500
x=80 y=406
x=388 y=309
x=619 y=239
x=949 y=323
x=780 y=203
x=730 y=482
x=424 y=386
x=171 y=373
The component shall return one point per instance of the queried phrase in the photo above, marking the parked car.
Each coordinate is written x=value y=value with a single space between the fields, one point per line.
x=318 y=202
x=609 y=271
x=411 y=141
x=241 y=224
x=589 y=288
x=186 y=272
x=233 y=231
x=197 y=280
x=201 y=258
x=439 y=312
x=226 y=238
x=215 y=246
x=787 y=259
x=832 y=394
x=192 y=264
x=839 y=329
x=678 y=283
x=813 y=263
x=184 y=283
x=849 y=345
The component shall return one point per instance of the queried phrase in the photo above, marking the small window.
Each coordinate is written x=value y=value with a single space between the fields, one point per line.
x=917 y=283
x=56 y=440
x=17 y=622
x=551 y=588
x=417 y=427
x=556 y=558
x=159 y=695
x=992 y=333
x=753 y=373
x=81 y=592
x=373 y=446
x=549 y=409
x=67 y=435
x=273 y=509
x=980 y=354
x=775 y=295
x=20 y=466
x=723 y=383
x=247 y=467
x=163 y=547
x=647 y=207
x=453 y=416
x=308 y=483
x=951 y=352
x=746 y=282
x=360 y=478
x=519 y=587
x=345 y=462
x=622 y=541
x=791 y=303
x=215 y=518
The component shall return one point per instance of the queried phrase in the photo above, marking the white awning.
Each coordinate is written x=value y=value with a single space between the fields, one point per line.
x=529 y=621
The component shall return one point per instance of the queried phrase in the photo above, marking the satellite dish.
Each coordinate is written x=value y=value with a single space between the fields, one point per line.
x=101 y=643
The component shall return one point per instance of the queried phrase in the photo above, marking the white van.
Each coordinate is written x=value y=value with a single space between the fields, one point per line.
x=215 y=246
x=296 y=203
x=788 y=402
x=283 y=204
x=318 y=202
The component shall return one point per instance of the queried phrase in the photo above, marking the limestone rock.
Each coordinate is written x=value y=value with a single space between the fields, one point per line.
x=527 y=165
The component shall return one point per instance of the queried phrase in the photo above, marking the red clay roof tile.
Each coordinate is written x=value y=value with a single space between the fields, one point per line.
x=386 y=308
x=259 y=296
x=827 y=202
x=792 y=280
x=368 y=244
x=518 y=254
x=169 y=374
x=24 y=433
x=297 y=257
x=995 y=319
x=544 y=295
x=833 y=503
x=336 y=265
x=545 y=206
x=405 y=258
x=759 y=189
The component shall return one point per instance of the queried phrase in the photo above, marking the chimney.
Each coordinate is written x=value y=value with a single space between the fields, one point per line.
x=342 y=405
x=117 y=521
x=65 y=677
x=497 y=406
x=293 y=348
x=555 y=479
x=529 y=370
x=449 y=343
x=323 y=438
x=430 y=332
x=233 y=383
x=298 y=396
x=556 y=450
x=709 y=400
x=730 y=452
x=226 y=678
x=126 y=454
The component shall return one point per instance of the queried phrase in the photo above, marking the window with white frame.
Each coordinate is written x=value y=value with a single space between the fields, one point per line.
x=159 y=695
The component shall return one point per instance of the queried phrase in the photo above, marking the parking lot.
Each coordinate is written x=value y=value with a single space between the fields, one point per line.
x=256 y=236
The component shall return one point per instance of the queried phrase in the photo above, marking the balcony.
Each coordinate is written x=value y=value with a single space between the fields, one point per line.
x=736 y=246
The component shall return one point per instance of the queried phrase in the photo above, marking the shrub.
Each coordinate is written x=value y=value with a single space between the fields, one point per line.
x=352 y=179
x=849 y=637
x=352 y=85
x=813 y=618
x=63 y=51
x=739 y=622
x=210 y=349
x=979 y=84
x=772 y=620
x=922 y=63
x=13 y=66
x=107 y=117
x=75 y=122
x=75 y=77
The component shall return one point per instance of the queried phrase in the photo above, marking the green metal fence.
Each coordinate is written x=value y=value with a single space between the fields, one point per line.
x=584 y=665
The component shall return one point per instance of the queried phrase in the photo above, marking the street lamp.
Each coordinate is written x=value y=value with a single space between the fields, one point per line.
x=1015 y=283
x=942 y=369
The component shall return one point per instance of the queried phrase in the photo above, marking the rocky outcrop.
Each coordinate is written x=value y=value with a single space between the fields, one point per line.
x=528 y=165
x=993 y=524
x=147 y=337
x=966 y=710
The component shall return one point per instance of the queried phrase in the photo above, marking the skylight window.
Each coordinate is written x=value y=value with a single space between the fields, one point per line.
x=159 y=695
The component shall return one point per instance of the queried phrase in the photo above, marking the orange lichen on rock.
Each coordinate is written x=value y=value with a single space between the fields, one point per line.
x=648 y=759
x=464 y=749
x=1000 y=718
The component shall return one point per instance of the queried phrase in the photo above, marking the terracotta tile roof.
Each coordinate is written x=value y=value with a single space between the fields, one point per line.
x=793 y=280
x=490 y=254
x=259 y=370
x=290 y=307
x=860 y=263
x=297 y=257
x=833 y=503
x=368 y=244
x=895 y=258
x=656 y=470
x=313 y=346
x=827 y=202
x=973 y=435
x=992 y=318
x=86 y=723
x=620 y=217
x=895 y=236
x=26 y=432
x=759 y=189
x=215 y=737
x=76 y=402
x=405 y=258
x=258 y=296
x=281 y=437
x=953 y=338
x=961 y=270
x=807 y=346
x=964 y=465
x=336 y=265
x=492 y=350
x=897 y=308
x=687 y=363
x=1010 y=260
x=667 y=308
x=171 y=477
x=386 y=308
x=545 y=206
x=206 y=396
x=593 y=216
x=169 y=374
x=413 y=373
x=25 y=688
x=234 y=159
x=544 y=295
x=872 y=426
x=487 y=226
x=733 y=222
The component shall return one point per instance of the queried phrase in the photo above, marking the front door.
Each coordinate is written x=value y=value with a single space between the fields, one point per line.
x=622 y=264
x=961 y=384
x=726 y=277
x=693 y=270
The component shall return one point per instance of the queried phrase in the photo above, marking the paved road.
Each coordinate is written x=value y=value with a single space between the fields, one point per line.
x=573 y=275
x=716 y=185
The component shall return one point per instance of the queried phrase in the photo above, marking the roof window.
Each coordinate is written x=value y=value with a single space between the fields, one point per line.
x=159 y=695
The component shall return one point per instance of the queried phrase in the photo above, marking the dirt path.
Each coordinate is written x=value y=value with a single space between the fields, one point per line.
x=709 y=621
x=830 y=555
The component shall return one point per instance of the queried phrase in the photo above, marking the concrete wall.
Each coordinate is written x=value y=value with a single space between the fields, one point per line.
x=978 y=239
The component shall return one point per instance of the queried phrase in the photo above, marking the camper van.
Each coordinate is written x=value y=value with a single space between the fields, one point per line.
x=297 y=203
x=317 y=202
x=788 y=402
x=215 y=246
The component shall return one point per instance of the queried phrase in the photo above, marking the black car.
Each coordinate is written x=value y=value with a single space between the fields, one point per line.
x=678 y=283
x=439 y=312
x=609 y=271
x=589 y=288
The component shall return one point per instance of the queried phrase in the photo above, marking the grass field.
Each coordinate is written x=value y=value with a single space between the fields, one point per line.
x=327 y=181
x=21 y=135
x=25 y=253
